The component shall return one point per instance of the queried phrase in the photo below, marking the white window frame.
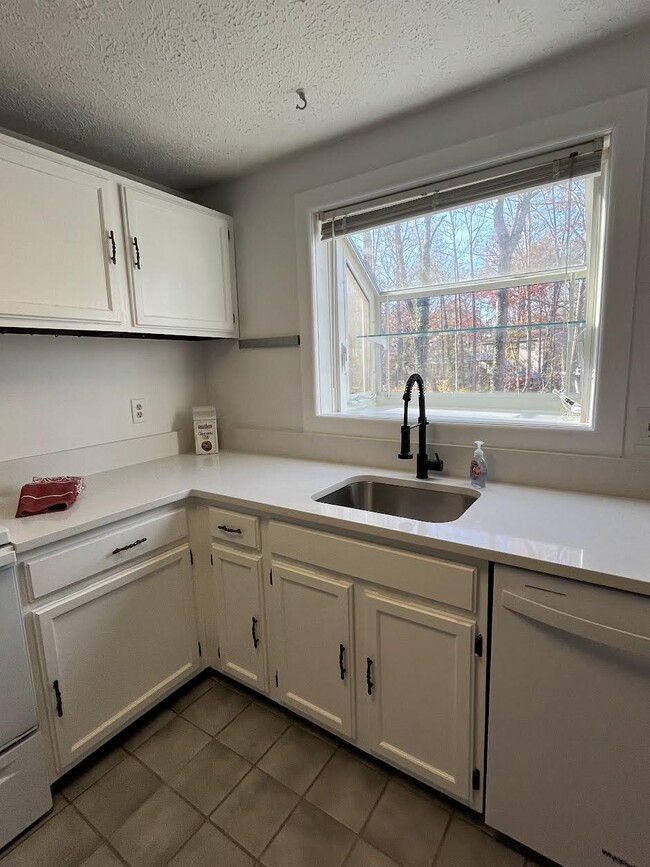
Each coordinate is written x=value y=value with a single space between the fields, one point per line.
x=624 y=118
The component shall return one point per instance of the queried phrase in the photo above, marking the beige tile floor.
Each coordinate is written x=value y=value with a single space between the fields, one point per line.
x=218 y=777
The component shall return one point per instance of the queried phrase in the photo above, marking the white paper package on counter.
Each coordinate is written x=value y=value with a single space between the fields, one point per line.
x=205 y=430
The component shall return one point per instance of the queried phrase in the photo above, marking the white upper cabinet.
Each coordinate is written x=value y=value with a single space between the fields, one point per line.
x=84 y=250
x=181 y=265
x=60 y=243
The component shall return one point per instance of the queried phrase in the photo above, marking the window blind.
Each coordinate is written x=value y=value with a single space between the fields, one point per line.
x=578 y=160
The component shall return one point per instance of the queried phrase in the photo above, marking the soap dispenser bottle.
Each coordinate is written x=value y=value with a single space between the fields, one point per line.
x=478 y=468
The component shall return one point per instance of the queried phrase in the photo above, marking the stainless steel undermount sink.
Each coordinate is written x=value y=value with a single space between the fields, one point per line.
x=403 y=501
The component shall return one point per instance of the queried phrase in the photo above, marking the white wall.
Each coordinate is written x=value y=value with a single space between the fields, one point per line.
x=61 y=393
x=257 y=392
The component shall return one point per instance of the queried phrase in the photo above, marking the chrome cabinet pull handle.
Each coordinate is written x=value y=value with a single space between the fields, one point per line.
x=113 y=256
x=227 y=529
x=369 y=682
x=127 y=547
x=342 y=668
x=256 y=640
x=137 y=253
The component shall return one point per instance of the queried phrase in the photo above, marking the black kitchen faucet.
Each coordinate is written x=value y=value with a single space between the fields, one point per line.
x=423 y=464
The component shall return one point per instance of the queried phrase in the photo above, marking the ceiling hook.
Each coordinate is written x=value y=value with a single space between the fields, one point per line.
x=301 y=95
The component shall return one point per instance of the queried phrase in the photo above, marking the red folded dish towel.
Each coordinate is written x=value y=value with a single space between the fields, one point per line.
x=46 y=497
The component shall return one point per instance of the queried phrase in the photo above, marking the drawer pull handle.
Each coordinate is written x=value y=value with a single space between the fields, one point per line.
x=59 y=702
x=228 y=529
x=137 y=253
x=342 y=668
x=127 y=547
x=369 y=682
x=256 y=640
x=113 y=256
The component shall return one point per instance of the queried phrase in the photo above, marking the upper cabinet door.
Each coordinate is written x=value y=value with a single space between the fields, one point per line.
x=182 y=265
x=60 y=243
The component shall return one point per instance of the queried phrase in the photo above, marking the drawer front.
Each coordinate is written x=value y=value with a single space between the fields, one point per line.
x=73 y=563
x=439 y=580
x=235 y=528
x=24 y=787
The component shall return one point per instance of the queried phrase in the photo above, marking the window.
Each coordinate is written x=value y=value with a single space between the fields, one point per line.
x=488 y=285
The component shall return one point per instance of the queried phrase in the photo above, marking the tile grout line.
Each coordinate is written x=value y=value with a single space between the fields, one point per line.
x=442 y=839
x=165 y=784
x=367 y=820
x=35 y=826
x=300 y=800
x=208 y=818
x=102 y=838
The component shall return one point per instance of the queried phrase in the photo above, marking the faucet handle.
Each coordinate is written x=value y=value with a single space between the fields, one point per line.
x=437 y=464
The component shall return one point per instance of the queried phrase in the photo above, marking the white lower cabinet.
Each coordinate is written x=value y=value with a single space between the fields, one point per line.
x=312 y=621
x=109 y=650
x=416 y=687
x=383 y=646
x=237 y=581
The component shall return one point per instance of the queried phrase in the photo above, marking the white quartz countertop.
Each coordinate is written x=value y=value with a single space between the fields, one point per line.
x=591 y=538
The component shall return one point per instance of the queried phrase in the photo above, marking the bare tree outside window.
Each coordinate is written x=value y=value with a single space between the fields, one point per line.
x=487 y=298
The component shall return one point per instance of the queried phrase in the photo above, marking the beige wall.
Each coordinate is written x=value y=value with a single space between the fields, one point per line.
x=258 y=392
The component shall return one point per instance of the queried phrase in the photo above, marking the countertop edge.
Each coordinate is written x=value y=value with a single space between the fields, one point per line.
x=364 y=531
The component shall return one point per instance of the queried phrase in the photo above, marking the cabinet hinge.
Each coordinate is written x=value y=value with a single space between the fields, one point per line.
x=219 y=652
x=476 y=779
x=191 y=558
x=228 y=234
x=200 y=651
x=478 y=645
x=271 y=577
x=211 y=560
x=276 y=679
x=234 y=320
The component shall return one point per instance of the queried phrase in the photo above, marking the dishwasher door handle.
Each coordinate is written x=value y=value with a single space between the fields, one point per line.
x=618 y=639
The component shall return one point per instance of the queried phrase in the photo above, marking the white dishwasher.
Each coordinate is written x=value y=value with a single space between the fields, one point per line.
x=568 y=770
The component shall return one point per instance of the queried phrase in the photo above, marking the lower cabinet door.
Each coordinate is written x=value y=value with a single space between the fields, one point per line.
x=109 y=650
x=312 y=635
x=416 y=696
x=238 y=598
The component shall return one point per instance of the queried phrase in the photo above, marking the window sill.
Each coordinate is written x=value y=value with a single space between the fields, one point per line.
x=492 y=418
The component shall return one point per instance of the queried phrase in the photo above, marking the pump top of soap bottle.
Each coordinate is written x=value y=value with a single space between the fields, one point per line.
x=478 y=468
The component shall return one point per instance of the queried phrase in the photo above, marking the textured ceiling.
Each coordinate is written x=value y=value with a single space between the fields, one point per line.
x=189 y=91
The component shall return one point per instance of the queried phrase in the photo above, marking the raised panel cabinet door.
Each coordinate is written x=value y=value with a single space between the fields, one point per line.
x=61 y=245
x=181 y=268
x=415 y=699
x=109 y=650
x=240 y=621
x=313 y=642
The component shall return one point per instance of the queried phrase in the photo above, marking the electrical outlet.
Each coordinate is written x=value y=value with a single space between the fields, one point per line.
x=138 y=410
x=643 y=426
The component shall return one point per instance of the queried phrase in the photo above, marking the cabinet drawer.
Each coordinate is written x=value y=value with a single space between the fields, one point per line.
x=439 y=580
x=235 y=528
x=67 y=565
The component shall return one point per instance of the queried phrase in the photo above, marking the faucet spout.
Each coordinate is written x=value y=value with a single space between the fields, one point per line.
x=423 y=462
